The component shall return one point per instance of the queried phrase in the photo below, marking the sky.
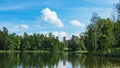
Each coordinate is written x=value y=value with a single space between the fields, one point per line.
x=60 y=17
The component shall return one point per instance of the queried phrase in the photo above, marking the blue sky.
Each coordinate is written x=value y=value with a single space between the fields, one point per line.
x=61 y=17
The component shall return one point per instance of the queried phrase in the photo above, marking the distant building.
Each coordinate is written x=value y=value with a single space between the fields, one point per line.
x=65 y=41
x=57 y=37
x=74 y=38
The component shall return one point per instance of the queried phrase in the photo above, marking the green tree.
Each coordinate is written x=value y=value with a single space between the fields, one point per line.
x=4 y=38
x=13 y=42
x=117 y=33
x=117 y=24
x=82 y=42
x=73 y=45
x=99 y=35
x=105 y=34
x=25 y=44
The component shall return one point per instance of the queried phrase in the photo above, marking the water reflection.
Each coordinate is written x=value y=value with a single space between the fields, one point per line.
x=55 y=60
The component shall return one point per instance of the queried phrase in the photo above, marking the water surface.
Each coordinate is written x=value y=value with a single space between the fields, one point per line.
x=55 y=60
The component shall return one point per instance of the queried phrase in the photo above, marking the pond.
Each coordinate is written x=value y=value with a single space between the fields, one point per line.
x=55 y=60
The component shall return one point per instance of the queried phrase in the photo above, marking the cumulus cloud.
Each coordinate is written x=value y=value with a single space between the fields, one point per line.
x=60 y=34
x=22 y=26
x=63 y=34
x=51 y=17
x=55 y=33
x=76 y=23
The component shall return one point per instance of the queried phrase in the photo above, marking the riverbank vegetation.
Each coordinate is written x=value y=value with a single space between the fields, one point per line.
x=29 y=42
x=101 y=36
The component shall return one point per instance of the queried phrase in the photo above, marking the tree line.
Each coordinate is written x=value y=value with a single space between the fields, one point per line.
x=28 y=42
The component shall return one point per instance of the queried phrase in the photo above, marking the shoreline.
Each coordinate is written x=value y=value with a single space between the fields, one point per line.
x=101 y=54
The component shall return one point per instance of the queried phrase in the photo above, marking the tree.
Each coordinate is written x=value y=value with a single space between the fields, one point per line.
x=99 y=34
x=82 y=42
x=13 y=42
x=90 y=38
x=117 y=33
x=4 y=38
x=73 y=44
x=95 y=18
x=25 y=44
x=117 y=25
x=106 y=37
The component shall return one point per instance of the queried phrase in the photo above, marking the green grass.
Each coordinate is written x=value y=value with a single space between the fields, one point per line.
x=81 y=52
x=8 y=51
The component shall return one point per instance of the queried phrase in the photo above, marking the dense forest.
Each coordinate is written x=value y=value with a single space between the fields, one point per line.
x=28 y=42
x=101 y=35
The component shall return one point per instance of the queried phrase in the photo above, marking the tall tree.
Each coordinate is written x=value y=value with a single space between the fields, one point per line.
x=25 y=43
x=4 y=38
x=117 y=24
x=117 y=33
x=92 y=32
x=13 y=42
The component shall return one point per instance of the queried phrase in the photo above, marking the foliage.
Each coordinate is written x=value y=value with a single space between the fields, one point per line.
x=28 y=42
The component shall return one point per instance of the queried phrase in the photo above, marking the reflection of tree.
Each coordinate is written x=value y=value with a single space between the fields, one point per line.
x=92 y=62
x=9 y=60
x=41 y=60
x=82 y=60
x=100 y=62
x=74 y=60
x=51 y=60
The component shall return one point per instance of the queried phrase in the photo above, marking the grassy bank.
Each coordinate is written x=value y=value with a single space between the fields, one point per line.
x=7 y=51
x=32 y=51
x=100 y=54
x=4 y=51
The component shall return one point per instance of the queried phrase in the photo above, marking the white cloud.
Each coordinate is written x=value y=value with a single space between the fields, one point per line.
x=60 y=34
x=55 y=33
x=30 y=33
x=63 y=34
x=22 y=26
x=44 y=32
x=51 y=17
x=76 y=23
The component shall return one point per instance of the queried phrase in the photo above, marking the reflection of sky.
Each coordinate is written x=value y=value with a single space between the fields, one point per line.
x=67 y=65
x=61 y=65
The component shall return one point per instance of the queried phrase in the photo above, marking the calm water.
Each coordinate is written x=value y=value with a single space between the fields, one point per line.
x=55 y=60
